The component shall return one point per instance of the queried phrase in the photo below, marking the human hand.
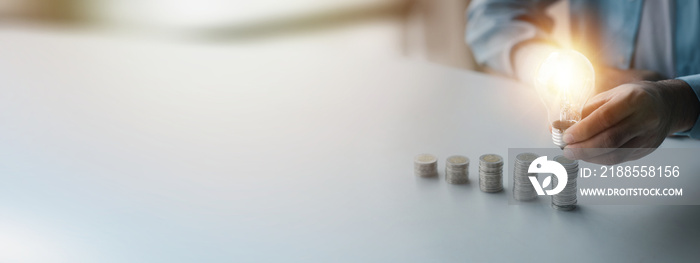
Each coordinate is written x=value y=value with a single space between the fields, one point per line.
x=609 y=77
x=637 y=115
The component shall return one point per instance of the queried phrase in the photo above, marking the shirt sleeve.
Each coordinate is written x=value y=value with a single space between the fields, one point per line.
x=694 y=82
x=495 y=27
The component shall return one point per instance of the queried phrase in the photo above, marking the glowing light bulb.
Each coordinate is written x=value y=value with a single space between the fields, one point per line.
x=564 y=82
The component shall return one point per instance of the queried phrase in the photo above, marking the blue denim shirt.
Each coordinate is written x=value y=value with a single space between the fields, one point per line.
x=604 y=30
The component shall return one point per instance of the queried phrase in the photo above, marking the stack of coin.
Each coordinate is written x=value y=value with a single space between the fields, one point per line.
x=522 y=186
x=491 y=173
x=425 y=165
x=566 y=199
x=457 y=169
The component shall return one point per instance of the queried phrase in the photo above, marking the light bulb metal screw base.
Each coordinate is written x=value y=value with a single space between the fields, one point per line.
x=558 y=129
x=558 y=138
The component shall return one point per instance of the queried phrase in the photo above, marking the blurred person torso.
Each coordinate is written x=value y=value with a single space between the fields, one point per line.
x=656 y=35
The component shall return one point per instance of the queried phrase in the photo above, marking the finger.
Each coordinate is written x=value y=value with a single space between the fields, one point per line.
x=607 y=115
x=641 y=147
x=627 y=152
x=640 y=152
x=594 y=103
x=604 y=142
x=585 y=153
x=614 y=157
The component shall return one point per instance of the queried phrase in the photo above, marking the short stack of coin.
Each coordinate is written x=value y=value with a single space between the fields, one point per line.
x=522 y=186
x=491 y=173
x=425 y=165
x=457 y=169
x=566 y=199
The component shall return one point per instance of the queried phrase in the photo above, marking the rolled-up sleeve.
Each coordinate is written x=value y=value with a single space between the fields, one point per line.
x=694 y=82
x=495 y=27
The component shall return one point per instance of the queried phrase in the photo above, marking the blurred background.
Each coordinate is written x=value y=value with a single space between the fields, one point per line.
x=101 y=138
x=420 y=29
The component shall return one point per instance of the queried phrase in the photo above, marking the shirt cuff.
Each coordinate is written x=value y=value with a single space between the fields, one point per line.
x=694 y=82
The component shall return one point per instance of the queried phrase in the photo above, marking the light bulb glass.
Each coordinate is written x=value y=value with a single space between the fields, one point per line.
x=564 y=82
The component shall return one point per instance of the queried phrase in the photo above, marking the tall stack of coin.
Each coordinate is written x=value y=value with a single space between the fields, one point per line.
x=522 y=186
x=566 y=199
x=491 y=173
x=425 y=165
x=457 y=169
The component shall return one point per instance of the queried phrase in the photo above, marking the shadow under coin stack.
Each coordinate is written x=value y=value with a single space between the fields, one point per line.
x=457 y=169
x=522 y=186
x=566 y=199
x=425 y=165
x=491 y=173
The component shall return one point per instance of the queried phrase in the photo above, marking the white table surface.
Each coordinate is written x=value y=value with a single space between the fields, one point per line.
x=122 y=151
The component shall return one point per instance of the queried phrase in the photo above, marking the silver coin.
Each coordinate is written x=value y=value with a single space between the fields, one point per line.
x=566 y=200
x=523 y=189
x=564 y=161
x=457 y=161
x=490 y=160
x=456 y=180
x=425 y=165
x=492 y=170
x=491 y=173
x=457 y=169
x=526 y=157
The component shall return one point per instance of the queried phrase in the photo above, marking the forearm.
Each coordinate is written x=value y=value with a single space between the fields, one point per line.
x=496 y=28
